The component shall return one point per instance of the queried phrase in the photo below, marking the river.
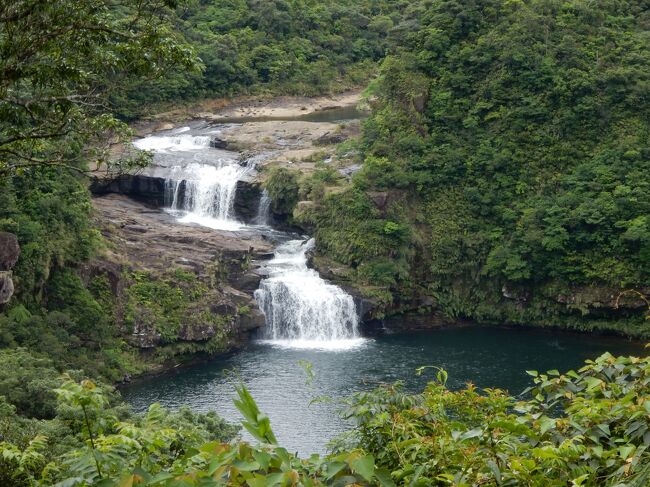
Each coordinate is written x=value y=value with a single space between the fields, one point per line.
x=486 y=356
x=311 y=321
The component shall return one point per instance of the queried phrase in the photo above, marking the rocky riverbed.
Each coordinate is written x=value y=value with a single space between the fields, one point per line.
x=179 y=291
x=213 y=272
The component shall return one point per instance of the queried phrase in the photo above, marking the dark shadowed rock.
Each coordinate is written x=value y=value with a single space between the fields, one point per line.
x=248 y=281
x=217 y=143
x=247 y=200
x=251 y=320
x=149 y=190
x=407 y=323
x=224 y=309
x=9 y=251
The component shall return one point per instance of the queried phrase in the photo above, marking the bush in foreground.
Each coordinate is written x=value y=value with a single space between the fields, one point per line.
x=584 y=428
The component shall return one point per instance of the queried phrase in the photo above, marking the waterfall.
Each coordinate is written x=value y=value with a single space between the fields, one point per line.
x=204 y=187
x=173 y=143
x=208 y=193
x=263 y=209
x=301 y=309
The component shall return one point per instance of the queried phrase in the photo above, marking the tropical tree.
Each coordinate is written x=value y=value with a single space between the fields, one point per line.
x=59 y=63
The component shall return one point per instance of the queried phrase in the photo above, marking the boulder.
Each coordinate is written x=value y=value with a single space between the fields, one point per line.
x=247 y=281
x=196 y=332
x=252 y=320
x=217 y=143
x=329 y=138
x=9 y=251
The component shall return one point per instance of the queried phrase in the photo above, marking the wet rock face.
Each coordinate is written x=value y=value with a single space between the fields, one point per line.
x=9 y=253
x=247 y=200
x=146 y=189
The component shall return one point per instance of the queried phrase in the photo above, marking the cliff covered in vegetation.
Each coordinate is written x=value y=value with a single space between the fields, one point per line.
x=502 y=176
x=505 y=168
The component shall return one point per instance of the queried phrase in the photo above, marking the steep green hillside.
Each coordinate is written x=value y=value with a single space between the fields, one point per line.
x=506 y=166
x=301 y=47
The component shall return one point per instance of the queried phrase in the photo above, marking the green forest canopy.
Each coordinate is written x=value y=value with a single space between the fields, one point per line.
x=512 y=139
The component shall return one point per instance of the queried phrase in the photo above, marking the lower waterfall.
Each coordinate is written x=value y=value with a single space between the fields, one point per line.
x=301 y=309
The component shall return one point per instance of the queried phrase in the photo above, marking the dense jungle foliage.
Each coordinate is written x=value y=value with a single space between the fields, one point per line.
x=510 y=140
x=581 y=428
x=60 y=64
x=298 y=47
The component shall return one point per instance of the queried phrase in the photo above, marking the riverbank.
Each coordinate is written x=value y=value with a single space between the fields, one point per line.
x=246 y=108
x=147 y=243
x=302 y=145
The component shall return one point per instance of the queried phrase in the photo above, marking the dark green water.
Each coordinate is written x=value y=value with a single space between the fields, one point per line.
x=488 y=357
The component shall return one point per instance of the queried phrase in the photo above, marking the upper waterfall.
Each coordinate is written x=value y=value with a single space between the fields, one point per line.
x=201 y=183
x=207 y=193
x=301 y=309
x=177 y=141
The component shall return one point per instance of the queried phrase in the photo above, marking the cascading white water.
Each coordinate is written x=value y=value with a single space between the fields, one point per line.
x=301 y=309
x=205 y=192
x=173 y=143
x=263 y=209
